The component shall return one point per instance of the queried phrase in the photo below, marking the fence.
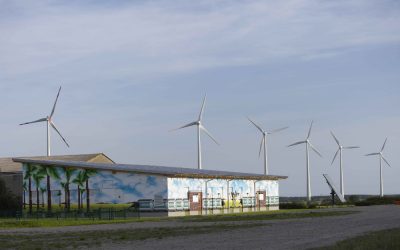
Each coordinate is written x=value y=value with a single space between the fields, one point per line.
x=100 y=214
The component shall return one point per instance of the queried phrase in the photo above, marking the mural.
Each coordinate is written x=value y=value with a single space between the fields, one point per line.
x=217 y=188
x=70 y=186
x=63 y=187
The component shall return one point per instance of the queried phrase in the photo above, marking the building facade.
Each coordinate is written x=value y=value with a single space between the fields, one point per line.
x=177 y=191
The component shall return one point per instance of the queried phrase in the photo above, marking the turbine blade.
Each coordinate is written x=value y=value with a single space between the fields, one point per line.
x=261 y=146
x=297 y=143
x=185 y=126
x=256 y=125
x=309 y=131
x=386 y=161
x=336 y=139
x=202 y=108
x=55 y=103
x=58 y=132
x=208 y=133
x=335 y=156
x=351 y=147
x=40 y=120
x=372 y=154
x=315 y=150
x=384 y=144
x=277 y=130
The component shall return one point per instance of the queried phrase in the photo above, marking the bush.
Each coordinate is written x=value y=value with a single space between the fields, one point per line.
x=378 y=201
x=8 y=201
x=298 y=205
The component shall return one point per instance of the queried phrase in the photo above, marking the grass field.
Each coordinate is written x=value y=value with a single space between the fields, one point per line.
x=97 y=238
x=56 y=208
x=251 y=216
x=382 y=240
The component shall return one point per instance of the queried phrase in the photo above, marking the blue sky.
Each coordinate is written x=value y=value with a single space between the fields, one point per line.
x=131 y=71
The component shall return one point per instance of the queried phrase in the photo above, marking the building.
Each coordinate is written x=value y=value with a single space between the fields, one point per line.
x=12 y=174
x=176 y=191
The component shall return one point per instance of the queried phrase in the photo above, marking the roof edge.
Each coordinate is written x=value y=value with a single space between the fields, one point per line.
x=105 y=166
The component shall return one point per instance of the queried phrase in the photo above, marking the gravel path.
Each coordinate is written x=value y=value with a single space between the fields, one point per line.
x=273 y=234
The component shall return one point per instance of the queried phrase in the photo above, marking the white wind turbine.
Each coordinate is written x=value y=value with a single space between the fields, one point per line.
x=49 y=121
x=381 y=157
x=340 y=160
x=308 y=143
x=264 y=142
x=200 y=128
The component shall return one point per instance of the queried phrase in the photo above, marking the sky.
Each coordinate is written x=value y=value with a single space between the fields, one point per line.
x=131 y=71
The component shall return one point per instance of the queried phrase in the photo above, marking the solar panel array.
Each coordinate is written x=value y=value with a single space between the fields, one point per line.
x=150 y=169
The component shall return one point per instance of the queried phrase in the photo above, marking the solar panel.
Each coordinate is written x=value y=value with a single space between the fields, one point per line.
x=150 y=169
x=332 y=186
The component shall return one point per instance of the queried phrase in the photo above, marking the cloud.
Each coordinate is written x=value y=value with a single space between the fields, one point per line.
x=134 y=39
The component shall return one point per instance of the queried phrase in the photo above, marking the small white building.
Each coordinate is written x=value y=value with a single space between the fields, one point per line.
x=178 y=191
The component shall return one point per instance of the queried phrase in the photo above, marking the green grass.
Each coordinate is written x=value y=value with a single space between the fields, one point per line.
x=383 y=240
x=98 y=238
x=257 y=216
x=56 y=207
x=248 y=216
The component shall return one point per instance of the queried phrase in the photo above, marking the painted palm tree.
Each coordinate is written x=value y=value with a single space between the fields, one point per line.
x=37 y=177
x=79 y=181
x=29 y=172
x=25 y=188
x=51 y=172
x=87 y=173
x=42 y=191
x=68 y=173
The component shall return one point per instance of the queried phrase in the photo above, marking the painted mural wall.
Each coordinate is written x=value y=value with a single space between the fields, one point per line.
x=104 y=186
x=178 y=188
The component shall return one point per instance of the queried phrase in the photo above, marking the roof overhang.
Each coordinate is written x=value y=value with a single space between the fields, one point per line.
x=155 y=170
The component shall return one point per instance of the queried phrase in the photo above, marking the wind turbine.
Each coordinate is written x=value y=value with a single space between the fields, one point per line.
x=200 y=128
x=340 y=160
x=381 y=157
x=49 y=121
x=264 y=142
x=308 y=143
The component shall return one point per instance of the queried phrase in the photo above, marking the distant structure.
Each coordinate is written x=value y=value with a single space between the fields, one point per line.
x=264 y=142
x=50 y=122
x=381 y=157
x=308 y=143
x=340 y=149
x=200 y=127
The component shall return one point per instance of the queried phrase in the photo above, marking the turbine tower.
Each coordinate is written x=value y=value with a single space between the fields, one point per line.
x=49 y=121
x=340 y=160
x=381 y=157
x=200 y=127
x=308 y=143
x=264 y=142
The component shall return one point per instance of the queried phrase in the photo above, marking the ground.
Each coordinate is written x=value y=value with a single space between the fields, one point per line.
x=293 y=233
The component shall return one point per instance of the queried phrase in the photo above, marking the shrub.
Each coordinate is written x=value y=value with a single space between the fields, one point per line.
x=298 y=205
x=378 y=201
x=8 y=201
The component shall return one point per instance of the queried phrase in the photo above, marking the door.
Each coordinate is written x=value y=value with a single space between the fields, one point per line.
x=195 y=201
x=261 y=198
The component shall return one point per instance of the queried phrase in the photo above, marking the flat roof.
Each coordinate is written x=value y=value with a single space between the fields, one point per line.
x=157 y=170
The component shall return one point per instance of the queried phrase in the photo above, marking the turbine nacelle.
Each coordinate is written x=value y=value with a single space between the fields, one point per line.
x=198 y=123
x=340 y=147
x=49 y=120
x=380 y=153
